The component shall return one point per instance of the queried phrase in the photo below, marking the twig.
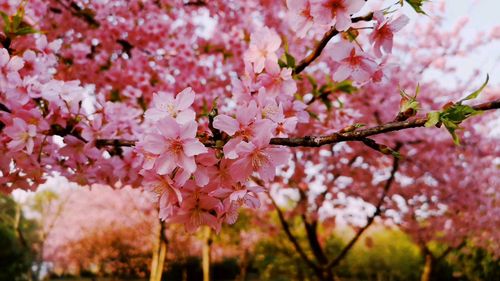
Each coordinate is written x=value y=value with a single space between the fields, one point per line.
x=322 y=44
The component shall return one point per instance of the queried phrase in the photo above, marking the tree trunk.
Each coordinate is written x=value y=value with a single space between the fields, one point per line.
x=243 y=266
x=207 y=245
x=159 y=253
x=428 y=267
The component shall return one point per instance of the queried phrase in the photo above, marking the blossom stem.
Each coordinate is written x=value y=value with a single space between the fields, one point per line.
x=322 y=44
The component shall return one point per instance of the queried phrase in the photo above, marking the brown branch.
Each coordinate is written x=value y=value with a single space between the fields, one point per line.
x=312 y=238
x=84 y=14
x=199 y=3
x=100 y=143
x=359 y=135
x=322 y=44
x=387 y=186
x=312 y=233
x=314 y=141
x=289 y=234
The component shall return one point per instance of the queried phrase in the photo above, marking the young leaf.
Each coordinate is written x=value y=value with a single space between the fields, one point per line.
x=478 y=91
x=416 y=5
x=432 y=118
x=290 y=60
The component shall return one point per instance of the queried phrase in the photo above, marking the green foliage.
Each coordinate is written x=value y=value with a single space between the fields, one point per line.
x=15 y=256
x=454 y=114
x=415 y=4
x=474 y=263
x=382 y=255
x=287 y=61
x=14 y=25
x=409 y=102
x=478 y=91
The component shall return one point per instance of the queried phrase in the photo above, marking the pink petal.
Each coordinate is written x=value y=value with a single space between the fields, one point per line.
x=168 y=127
x=187 y=163
x=399 y=23
x=165 y=164
x=185 y=99
x=241 y=169
x=186 y=116
x=193 y=147
x=342 y=73
x=188 y=130
x=226 y=124
x=343 y=22
x=154 y=143
x=341 y=50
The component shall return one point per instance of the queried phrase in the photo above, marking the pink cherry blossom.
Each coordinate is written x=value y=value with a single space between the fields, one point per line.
x=175 y=145
x=383 y=32
x=164 y=188
x=354 y=63
x=264 y=43
x=276 y=81
x=243 y=128
x=336 y=12
x=22 y=135
x=9 y=67
x=197 y=209
x=164 y=105
x=299 y=16
x=260 y=157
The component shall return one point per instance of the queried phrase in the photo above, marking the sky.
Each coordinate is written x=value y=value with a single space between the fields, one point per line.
x=483 y=16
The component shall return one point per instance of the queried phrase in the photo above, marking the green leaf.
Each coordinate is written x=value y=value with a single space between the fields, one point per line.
x=6 y=21
x=416 y=5
x=281 y=63
x=17 y=18
x=458 y=113
x=290 y=60
x=115 y=96
x=432 y=118
x=478 y=91
x=313 y=115
x=327 y=102
x=25 y=31
x=452 y=127
x=346 y=87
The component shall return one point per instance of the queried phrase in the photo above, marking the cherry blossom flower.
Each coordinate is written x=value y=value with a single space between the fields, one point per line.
x=354 y=63
x=300 y=18
x=175 y=145
x=383 y=32
x=197 y=209
x=164 y=188
x=335 y=12
x=276 y=81
x=243 y=128
x=164 y=104
x=263 y=46
x=22 y=135
x=260 y=157
x=9 y=67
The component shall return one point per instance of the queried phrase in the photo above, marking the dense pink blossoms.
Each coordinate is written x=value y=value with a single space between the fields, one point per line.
x=184 y=100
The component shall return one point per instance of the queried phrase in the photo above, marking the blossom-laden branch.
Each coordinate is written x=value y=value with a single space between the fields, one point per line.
x=337 y=137
x=316 y=52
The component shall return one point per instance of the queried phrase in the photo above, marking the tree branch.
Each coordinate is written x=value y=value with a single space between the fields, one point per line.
x=448 y=251
x=322 y=44
x=387 y=186
x=359 y=135
x=307 y=141
x=289 y=234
